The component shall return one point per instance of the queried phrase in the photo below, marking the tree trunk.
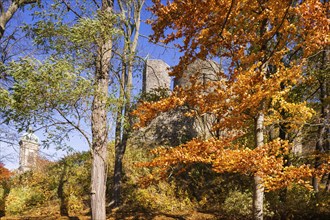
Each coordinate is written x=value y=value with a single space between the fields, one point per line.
x=60 y=193
x=100 y=127
x=123 y=129
x=327 y=185
x=258 y=189
x=283 y=135
x=120 y=147
x=99 y=145
x=320 y=144
x=118 y=140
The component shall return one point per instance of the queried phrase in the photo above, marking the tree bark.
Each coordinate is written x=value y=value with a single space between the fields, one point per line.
x=118 y=141
x=100 y=137
x=258 y=188
x=100 y=126
x=320 y=144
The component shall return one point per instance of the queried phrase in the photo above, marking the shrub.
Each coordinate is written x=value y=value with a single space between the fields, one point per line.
x=299 y=203
x=164 y=197
x=21 y=199
x=238 y=203
x=75 y=205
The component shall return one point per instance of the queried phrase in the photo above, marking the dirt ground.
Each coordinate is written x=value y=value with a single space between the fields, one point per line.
x=130 y=216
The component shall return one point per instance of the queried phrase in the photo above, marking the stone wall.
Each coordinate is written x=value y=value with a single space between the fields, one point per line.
x=205 y=70
x=155 y=75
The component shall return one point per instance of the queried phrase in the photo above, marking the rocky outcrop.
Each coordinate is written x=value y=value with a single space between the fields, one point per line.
x=168 y=129
x=204 y=70
x=174 y=127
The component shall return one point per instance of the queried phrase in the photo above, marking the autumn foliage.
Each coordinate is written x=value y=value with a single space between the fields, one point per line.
x=266 y=44
x=4 y=173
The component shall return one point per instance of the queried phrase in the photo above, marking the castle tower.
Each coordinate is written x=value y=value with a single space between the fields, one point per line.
x=29 y=151
x=204 y=70
x=155 y=75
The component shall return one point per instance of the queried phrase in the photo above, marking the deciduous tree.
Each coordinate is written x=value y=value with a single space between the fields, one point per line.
x=5 y=173
x=259 y=39
x=130 y=13
x=70 y=87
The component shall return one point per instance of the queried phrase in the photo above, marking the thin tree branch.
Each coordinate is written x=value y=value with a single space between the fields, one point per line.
x=70 y=9
x=97 y=5
x=161 y=45
x=227 y=17
x=75 y=126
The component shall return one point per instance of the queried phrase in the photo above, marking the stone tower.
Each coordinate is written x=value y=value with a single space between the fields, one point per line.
x=155 y=75
x=29 y=151
x=204 y=70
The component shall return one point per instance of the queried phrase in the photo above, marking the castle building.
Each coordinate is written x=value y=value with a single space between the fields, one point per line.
x=29 y=151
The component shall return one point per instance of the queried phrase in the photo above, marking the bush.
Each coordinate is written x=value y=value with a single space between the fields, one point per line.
x=238 y=203
x=66 y=181
x=2 y=201
x=21 y=199
x=299 y=203
x=75 y=205
x=164 y=197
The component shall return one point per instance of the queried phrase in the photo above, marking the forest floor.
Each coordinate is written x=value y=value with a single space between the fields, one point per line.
x=130 y=216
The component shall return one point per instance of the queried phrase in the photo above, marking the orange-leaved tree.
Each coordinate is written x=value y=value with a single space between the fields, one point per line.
x=266 y=43
x=4 y=173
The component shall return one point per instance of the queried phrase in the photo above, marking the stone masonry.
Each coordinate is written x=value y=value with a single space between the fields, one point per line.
x=29 y=151
x=205 y=70
x=155 y=75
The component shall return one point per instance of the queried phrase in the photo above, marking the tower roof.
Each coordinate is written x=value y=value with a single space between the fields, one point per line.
x=29 y=136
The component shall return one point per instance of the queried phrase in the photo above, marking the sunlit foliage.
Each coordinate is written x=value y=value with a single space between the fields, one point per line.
x=267 y=44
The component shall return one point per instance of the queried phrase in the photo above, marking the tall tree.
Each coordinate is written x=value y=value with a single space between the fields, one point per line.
x=319 y=68
x=130 y=12
x=78 y=55
x=258 y=38
x=99 y=122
